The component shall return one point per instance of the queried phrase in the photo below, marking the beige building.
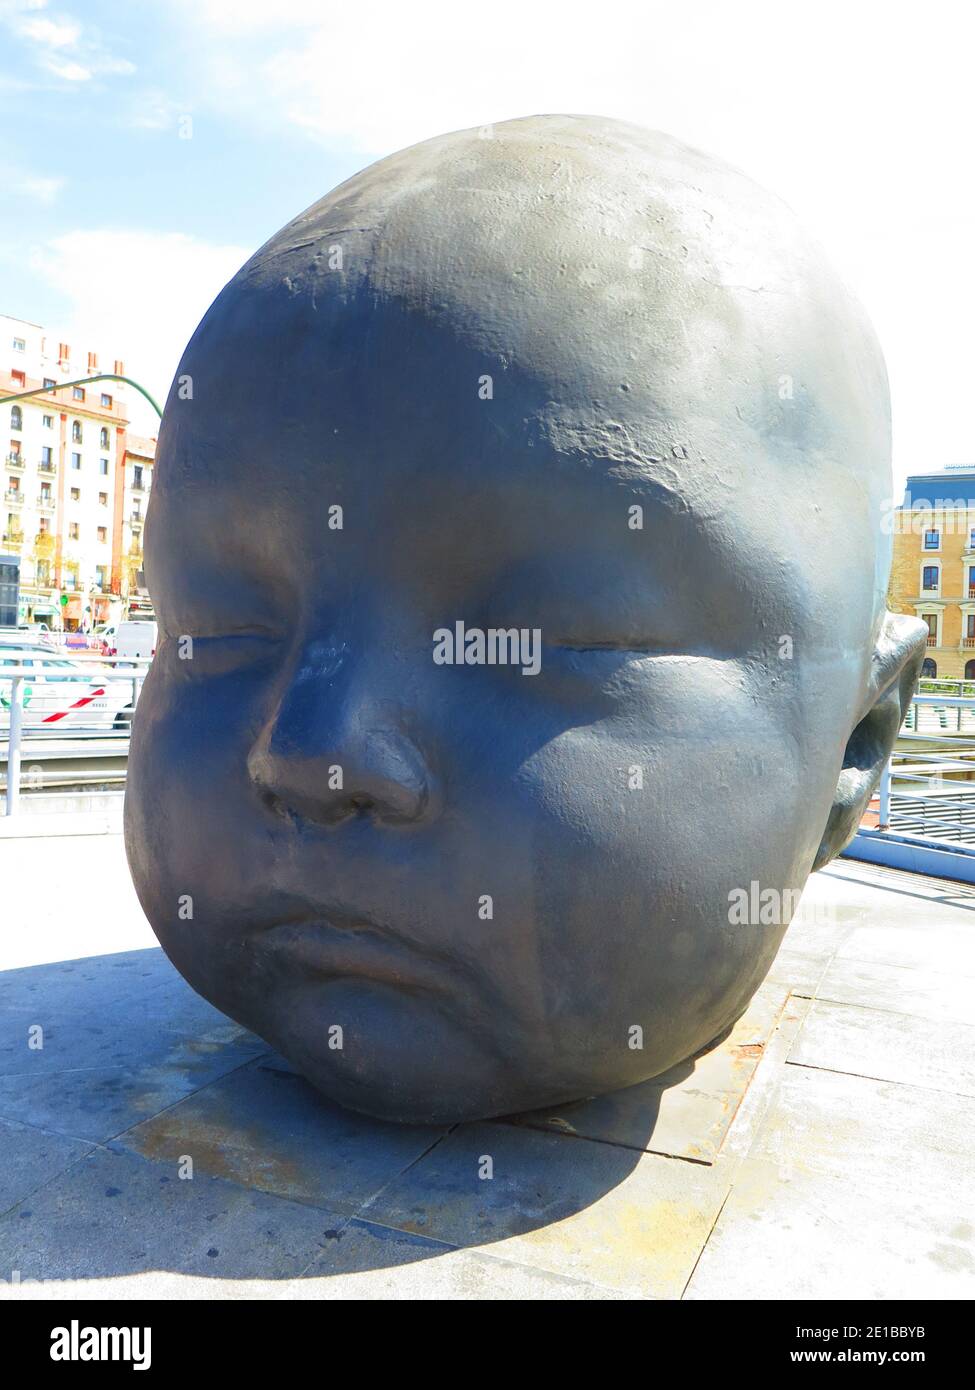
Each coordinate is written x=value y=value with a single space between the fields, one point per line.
x=75 y=483
x=933 y=572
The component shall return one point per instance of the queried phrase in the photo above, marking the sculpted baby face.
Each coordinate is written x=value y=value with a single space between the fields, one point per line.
x=448 y=888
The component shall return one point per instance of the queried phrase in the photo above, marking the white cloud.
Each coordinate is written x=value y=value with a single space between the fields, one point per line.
x=137 y=296
x=51 y=32
x=44 y=189
x=30 y=183
x=70 y=72
x=858 y=118
x=62 y=46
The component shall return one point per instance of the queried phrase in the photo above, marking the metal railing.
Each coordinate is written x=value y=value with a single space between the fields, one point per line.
x=927 y=790
x=71 y=726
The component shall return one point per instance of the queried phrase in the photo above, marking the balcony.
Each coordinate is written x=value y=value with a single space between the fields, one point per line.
x=51 y=468
x=14 y=497
x=932 y=641
x=968 y=641
x=45 y=502
x=15 y=462
x=136 y=519
x=13 y=539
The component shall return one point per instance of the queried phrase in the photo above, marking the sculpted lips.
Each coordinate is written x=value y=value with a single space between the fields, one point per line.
x=336 y=943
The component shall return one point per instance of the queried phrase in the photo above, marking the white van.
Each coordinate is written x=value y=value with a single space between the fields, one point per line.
x=133 y=640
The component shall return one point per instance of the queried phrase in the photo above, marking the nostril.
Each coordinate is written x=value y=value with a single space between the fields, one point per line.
x=272 y=803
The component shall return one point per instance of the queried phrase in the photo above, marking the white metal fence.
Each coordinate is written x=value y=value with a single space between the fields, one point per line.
x=64 y=722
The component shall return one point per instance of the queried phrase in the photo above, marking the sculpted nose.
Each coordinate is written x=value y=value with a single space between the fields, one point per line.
x=327 y=757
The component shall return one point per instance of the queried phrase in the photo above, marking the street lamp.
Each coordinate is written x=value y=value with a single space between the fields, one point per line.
x=81 y=381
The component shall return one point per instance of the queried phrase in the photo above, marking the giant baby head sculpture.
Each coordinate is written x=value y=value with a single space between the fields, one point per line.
x=518 y=556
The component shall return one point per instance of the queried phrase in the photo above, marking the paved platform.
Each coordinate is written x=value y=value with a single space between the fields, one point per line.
x=152 y=1148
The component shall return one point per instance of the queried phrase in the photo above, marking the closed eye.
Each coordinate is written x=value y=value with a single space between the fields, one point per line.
x=215 y=654
x=646 y=648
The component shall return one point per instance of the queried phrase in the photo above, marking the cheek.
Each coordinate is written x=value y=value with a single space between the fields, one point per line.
x=640 y=841
x=189 y=819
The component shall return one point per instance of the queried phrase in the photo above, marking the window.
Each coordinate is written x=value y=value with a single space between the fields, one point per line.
x=106 y=400
x=43 y=571
x=929 y=582
x=932 y=540
x=75 y=460
x=14 y=485
x=103 y=499
x=103 y=439
x=44 y=525
x=46 y=456
x=48 y=421
x=45 y=496
x=103 y=467
x=20 y=345
x=16 y=418
x=76 y=494
x=19 y=378
x=49 y=383
x=78 y=392
x=76 y=432
x=137 y=475
x=101 y=576
x=102 y=534
x=73 y=531
x=971 y=584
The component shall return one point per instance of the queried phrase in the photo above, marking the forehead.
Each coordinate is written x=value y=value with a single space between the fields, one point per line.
x=449 y=500
x=470 y=410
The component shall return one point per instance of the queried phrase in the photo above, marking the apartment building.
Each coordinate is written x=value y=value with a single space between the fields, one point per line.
x=133 y=487
x=69 y=480
x=933 y=571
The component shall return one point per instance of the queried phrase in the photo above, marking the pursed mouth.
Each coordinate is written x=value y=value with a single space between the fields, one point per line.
x=340 y=944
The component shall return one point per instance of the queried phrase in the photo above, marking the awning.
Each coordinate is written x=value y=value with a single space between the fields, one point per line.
x=44 y=610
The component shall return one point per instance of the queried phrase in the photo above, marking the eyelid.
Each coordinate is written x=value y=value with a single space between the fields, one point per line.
x=647 y=647
x=252 y=633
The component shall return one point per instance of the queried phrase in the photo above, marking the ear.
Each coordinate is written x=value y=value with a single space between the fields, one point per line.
x=893 y=678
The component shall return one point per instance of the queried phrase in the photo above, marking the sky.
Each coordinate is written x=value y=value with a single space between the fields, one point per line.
x=151 y=148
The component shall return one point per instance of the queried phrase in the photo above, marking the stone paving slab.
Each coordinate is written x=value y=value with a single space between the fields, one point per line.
x=122 y=1036
x=930 y=994
x=374 y=1262
x=855 y=1189
x=799 y=970
x=687 y=1111
x=265 y=1127
x=84 y=906
x=888 y=1046
x=115 y=1214
x=597 y=1212
x=31 y=1157
x=97 y=1103
x=916 y=942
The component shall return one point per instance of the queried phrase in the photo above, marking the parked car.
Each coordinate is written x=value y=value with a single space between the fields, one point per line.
x=134 y=640
x=63 y=691
x=103 y=638
x=29 y=632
